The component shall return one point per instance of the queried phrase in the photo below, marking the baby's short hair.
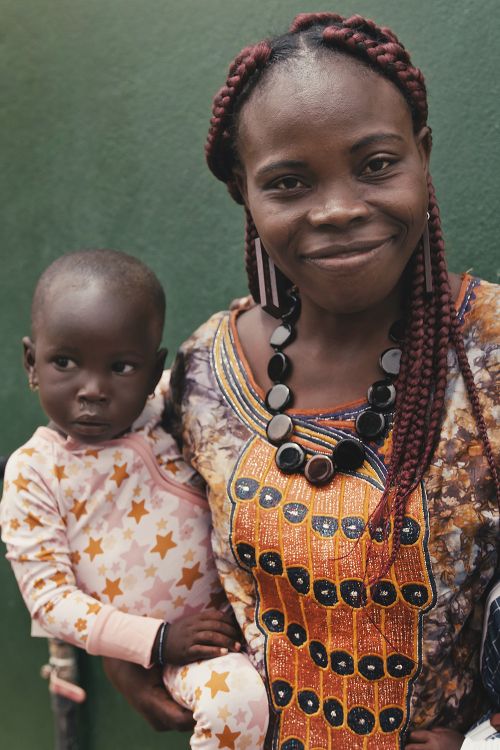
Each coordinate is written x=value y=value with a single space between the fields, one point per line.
x=119 y=270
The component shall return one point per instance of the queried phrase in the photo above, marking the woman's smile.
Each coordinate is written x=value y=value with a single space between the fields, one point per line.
x=344 y=258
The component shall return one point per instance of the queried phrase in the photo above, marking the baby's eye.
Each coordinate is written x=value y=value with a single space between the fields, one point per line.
x=287 y=183
x=122 y=368
x=64 y=363
x=377 y=165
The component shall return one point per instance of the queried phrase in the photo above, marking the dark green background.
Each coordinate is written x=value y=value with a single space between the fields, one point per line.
x=104 y=109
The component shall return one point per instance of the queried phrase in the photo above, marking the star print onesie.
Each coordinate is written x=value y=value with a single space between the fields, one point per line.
x=107 y=541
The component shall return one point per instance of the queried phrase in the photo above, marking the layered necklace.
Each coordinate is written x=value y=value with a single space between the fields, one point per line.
x=349 y=453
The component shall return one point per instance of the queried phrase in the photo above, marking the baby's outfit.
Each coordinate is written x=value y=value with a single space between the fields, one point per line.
x=107 y=541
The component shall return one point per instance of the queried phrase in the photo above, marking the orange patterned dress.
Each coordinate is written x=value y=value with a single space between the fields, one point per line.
x=348 y=665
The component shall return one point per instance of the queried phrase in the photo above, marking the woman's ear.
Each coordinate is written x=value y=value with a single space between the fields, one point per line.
x=29 y=362
x=161 y=356
x=423 y=140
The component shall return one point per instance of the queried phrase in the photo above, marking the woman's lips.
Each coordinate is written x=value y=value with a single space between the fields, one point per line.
x=348 y=256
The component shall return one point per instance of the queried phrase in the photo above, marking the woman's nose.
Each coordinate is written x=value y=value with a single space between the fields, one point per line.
x=338 y=205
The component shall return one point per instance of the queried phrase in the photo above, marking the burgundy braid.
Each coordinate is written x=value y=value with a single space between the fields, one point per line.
x=431 y=322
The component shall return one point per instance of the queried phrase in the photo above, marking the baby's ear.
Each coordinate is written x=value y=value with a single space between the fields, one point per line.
x=161 y=356
x=29 y=362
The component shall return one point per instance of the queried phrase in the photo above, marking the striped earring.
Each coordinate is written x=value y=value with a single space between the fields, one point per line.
x=427 y=257
x=273 y=284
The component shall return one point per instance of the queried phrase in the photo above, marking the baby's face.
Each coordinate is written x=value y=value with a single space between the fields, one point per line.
x=95 y=360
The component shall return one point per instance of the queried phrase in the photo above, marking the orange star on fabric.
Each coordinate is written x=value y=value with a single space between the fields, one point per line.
x=94 y=548
x=32 y=521
x=79 y=508
x=164 y=544
x=172 y=467
x=39 y=584
x=217 y=683
x=93 y=609
x=227 y=738
x=59 y=472
x=120 y=473
x=75 y=557
x=59 y=578
x=14 y=524
x=189 y=576
x=91 y=452
x=206 y=733
x=80 y=624
x=112 y=589
x=138 y=511
x=21 y=482
x=28 y=451
x=45 y=554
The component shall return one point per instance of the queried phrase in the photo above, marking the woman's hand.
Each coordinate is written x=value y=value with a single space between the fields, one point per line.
x=146 y=693
x=204 y=635
x=434 y=739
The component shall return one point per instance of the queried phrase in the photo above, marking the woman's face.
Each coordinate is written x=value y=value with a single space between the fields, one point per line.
x=335 y=179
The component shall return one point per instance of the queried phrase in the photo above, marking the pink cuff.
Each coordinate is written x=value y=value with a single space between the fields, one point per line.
x=123 y=636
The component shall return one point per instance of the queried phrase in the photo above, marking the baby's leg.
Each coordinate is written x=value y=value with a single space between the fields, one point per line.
x=228 y=699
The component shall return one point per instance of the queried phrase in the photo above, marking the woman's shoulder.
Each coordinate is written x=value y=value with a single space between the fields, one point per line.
x=201 y=340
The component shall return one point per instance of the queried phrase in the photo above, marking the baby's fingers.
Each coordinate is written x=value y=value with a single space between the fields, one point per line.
x=199 y=652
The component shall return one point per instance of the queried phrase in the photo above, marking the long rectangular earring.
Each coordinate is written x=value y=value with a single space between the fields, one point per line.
x=427 y=257
x=273 y=284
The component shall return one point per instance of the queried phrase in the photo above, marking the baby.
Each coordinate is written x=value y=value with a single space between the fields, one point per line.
x=106 y=531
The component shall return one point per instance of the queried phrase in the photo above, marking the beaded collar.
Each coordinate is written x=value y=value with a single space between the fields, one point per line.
x=349 y=453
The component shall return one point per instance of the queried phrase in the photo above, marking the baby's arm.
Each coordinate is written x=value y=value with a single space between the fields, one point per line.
x=38 y=550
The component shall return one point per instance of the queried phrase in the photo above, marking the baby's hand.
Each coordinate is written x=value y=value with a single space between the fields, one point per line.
x=204 y=635
x=434 y=739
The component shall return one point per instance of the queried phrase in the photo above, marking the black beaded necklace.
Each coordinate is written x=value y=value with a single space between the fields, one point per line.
x=349 y=453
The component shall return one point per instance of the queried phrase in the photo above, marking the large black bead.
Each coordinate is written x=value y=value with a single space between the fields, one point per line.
x=290 y=457
x=382 y=394
x=279 y=428
x=278 y=397
x=349 y=454
x=370 y=424
x=282 y=336
x=319 y=469
x=293 y=313
x=397 y=331
x=279 y=367
x=390 y=361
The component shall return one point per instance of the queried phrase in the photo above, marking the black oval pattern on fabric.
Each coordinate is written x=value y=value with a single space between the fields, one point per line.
x=292 y=744
x=334 y=712
x=410 y=531
x=308 y=701
x=282 y=692
x=415 y=594
x=390 y=719
x=324 y=525
x=274 y=620
x=371 y=667
x=353 y=527
x=384 y=593
x=246 y=554
x=299 y=579
x=381 y=532
x=360 y=720
x=399 y=665
x=353 y=593
x=269 y=497
x=271 y=563
x=342 y=662
x=295 y=512
x=325 y=592
x=246 y=489
x=296 y=633
x=319 y=654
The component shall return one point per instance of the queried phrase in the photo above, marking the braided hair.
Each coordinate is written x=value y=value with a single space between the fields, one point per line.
x=432 y=324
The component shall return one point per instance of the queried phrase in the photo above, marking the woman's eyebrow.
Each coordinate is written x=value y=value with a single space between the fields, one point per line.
x=274 y=165
x=375 y=138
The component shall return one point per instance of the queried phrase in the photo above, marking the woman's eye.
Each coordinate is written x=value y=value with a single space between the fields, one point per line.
x=122 y=368
x=64 y=363
x=377 y=165
x=287 y=183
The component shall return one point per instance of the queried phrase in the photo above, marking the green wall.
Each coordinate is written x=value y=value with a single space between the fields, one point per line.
x=104 y=109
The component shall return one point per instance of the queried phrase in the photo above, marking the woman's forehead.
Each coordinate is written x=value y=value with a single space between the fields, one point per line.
x=321 y=89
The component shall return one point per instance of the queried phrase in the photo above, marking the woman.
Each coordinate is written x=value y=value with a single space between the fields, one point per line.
x=351 y=478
